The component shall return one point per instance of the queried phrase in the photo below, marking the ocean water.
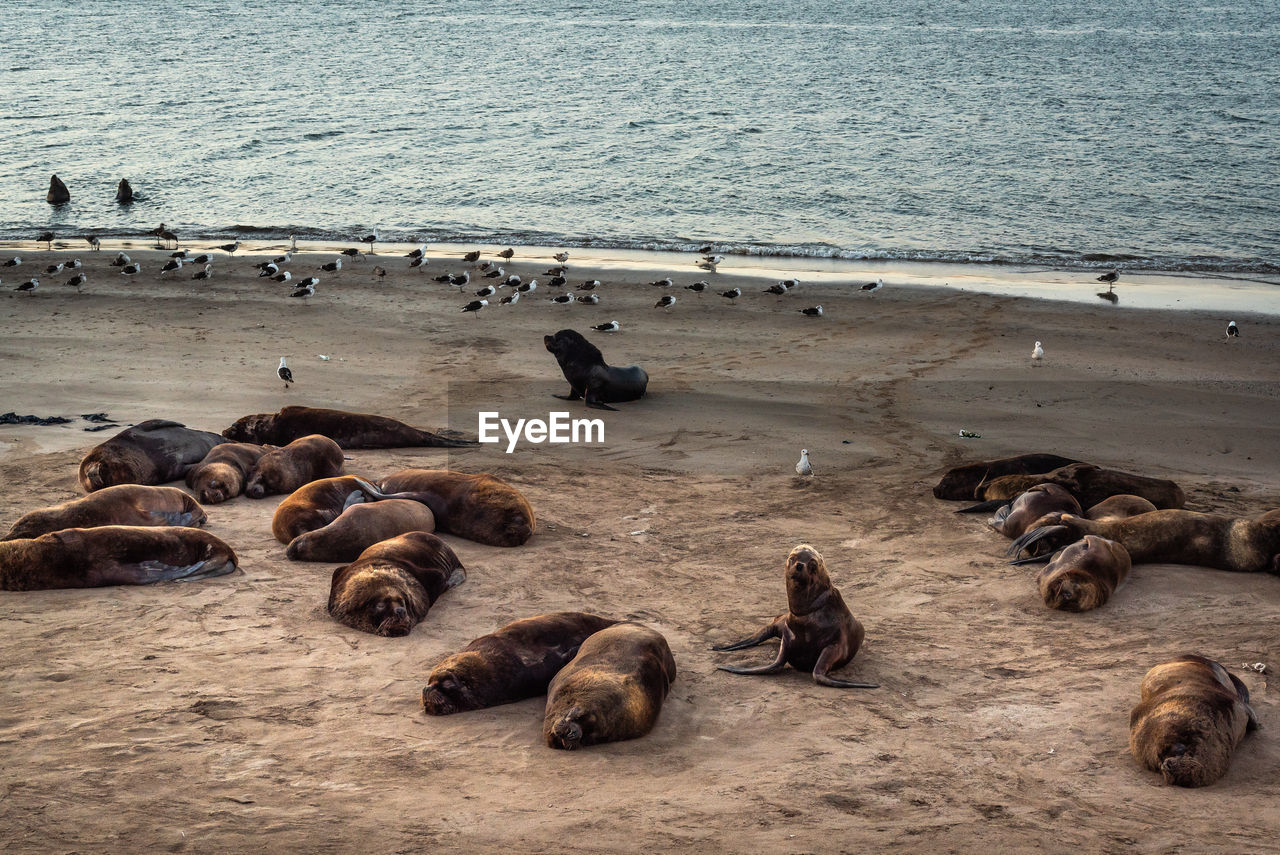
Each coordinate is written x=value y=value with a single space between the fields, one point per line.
x=1144 y=133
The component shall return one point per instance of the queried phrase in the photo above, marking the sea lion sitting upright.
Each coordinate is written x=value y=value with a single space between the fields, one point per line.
x=959 y=483
x=223 y=471
x=359 y=527
x=124 y=504
x=818 y=632
x=479 y=507
x=283 y=470
x=349 y=430
x=319 y=503
x=1089 y=484
x=1083 y=575
x=112 y=555
x=1191 y=716
x=514 y=663
x=392 y=585
x=590 y=378
x=156 y=451
x=612 y=690
x=1019 y=515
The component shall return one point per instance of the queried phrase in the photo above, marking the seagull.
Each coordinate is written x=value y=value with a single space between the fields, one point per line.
x=73 y=264
x=310 y=282
x=803 y=467
x=268 y=269
x=511 y=281
x=612 y=326
x=563 y=298
x=486 y=266
x=370 y=239
x=461 y=281
x=379 y=271
x=94 y=242
x=812 y=311
x=282 y=276
x=131 y=269
x=418 y=262
x=790 y=283
x=708 y=265
x=531 y=285
x=78 y=281
x=305 y=288
x=182 y=253
x=167 y=236
x=872 y=287
x=511 y=299
x=420 y=252
x=705 y=249
x=696 y=287
x=732 y=294
x=776 y=289
x=495 y=273
x=1110 y=277
x=443 y=277
x=589 y=285
x=351 y=252
x=171 y=264
x=666 y=302
x=54 y=269
x=120 y=260
x=475 y=305
x=487 y=291
x=713 y=260
x=13 y=262
x=472 y=256
x=507 y=253
x=207 y=273
x=662 y=283
x=202 y=258
x=46 y=238
x=284 y=373
x=557 y=282
x=332 y=266
x=556 y=271
x=589 y=299
x=293 y=244
x=1233 y=331
x=1037 y=353
x=230 y=248
x=30 y=285
x=561 y=257
x=283 y=259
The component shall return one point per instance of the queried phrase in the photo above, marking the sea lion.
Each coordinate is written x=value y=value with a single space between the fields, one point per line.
x=590 y=377
x=222 y=473
x=359 y=527
x=349 y=430
x=1191 y=716
x=514 y=663
x=961 y=482
x=1019 y=515
x=319 y=503
x=1083 y=575
x=1168 y=537
x=283 y=470
x=392 y=585
x=124 y=504
x=818 y=632
x=479 y=507
x=612 y=690
x=112 y=555
x=156 y=451
x=1089 y=484
x=1119 y=507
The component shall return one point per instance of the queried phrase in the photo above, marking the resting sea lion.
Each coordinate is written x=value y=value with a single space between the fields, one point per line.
x=1191 y=716
x=1089 y=484
x=349 y=430
x=1017 y=516
x=359 y=527
x=478 y=507
x=125 y=504
x=818 y=632
x=112 y=555
x=390 y=588
x=1169 y=537
x=961 y=482
x=590 y=378
x=153 y=452
x=283 y=470
x=612 y=690
x=319 y=503
x=223 y=471
x=1119 y=507
x=1084 y=575
x=514 y=663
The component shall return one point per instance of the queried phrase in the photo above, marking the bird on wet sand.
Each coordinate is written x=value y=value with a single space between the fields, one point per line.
x=230 y=248
x=803 y=467
x=1037 y=353
x=506 y=253
x=29 y=286
x=732 y=293
x=351 y=252
x=872 y=287
x=561 y=257
x=284 y=373
x=1233 y=331
x=120 y=260
x=46 y=238
x=563 y=298
x=78 y=281
x=696 y=287
x=207 y=273
x=93 y=242
x=1110 y=277
x=666 y=302
x=589 y=299
x=370 y=239
x=15 y=261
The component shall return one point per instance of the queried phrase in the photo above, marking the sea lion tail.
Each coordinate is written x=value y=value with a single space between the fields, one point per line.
x=148 y=572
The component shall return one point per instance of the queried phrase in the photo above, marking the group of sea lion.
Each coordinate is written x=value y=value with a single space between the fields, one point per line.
x=1192 y=713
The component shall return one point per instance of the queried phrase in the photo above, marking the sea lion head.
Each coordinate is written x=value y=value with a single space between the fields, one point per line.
x=448 y=688
x=570 y=345
x=807 y=579
x=217 y=482
x=261 y=482
x=569 y=730
x=1083 y=575
x=248 y=428
x=381 y=599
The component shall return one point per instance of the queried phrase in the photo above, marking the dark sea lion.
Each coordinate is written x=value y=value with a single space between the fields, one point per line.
x=1089 y=484
x=960 y=483
x=359 y=527
x=1191 y=716
x=125 y=504
x=612 y=690
x=221 y=475
x=1119 y=507
x=514 y=663
x=479 y=507
x=349 y=430
x=1168 y=537
x=590 y=377
x=112 y=555
x=819 y=634
x=1083 y=575
x=283 y=470
x=319 y=503
x=156 y=451
x=392 y=585
x=1019 y=515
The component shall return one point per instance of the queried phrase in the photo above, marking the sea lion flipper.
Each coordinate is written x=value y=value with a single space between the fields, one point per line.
x=770 y=631
x=148 y=572
x=825 y=680
x=456 y=578
x=574 y=395
x=983 y=507
x=1048 y=535
x=772 y=668
x=830 y=655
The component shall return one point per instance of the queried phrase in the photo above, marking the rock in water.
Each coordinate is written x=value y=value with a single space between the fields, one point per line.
x=58 y=192
x=124 y=193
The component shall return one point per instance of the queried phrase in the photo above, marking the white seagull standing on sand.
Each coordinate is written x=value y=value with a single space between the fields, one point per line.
x=1233 y=331
x=732 y=293
x=417 y=253
x=1110 y=277
x=561 y=257
x=803 y=467
x=1037 y=353
x=120 y=260
x=284 y=373
x=612 y=326
x=12 y=262
x=202 y=258
x=94 y=242
x=170 y=265
x=207 y=273
x=306 y=288
x=30 y=285
x=475 y=305
x=696 y=287
x=78 y=281
x=666 y=302
x=872 y=287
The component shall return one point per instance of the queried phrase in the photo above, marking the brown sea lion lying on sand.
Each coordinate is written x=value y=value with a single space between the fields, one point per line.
x=392 y=585
x=1083 y=576
x=1089 y=484
x=156 y=451
x=125 y=504
x=1028 y=509
x=359 y=527
x=349 y=430
x=319 y=503
x=960 y=483
x=283 y=470
x=222 y=474
x=478 y=507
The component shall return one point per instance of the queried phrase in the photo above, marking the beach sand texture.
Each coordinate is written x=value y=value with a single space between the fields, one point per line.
x=234 y=715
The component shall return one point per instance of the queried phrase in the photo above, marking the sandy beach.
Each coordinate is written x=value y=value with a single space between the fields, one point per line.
x=234 y=715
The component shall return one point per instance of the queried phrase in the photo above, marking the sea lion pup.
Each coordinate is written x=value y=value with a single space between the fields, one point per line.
x=112 y=555
x=222 y=473
x=283 y=470
x=514 y=663
x=319 y=503
x=961 y=482
x=590 y=378
x=359 y=527
x=612 y=690
x=1089 y=484
x=124 y=504
x=479 y=507
x=1019 y=515
x=1167 y=537
x=156 y=451
x=818 y=632
x=1191 y=716
x=1083 y=575
x=392 y=585
x=349 y=430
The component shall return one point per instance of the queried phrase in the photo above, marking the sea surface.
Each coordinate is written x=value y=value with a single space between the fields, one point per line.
x=1138 y=133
